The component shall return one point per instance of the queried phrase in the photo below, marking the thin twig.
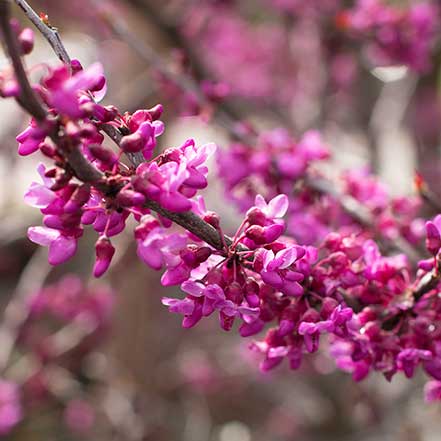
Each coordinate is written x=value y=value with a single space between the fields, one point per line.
x=362 y=215
x=84 y=170
x=225 y=116
x=189 y=220
x=16 y=312
x=49 y=32
x=352 y=207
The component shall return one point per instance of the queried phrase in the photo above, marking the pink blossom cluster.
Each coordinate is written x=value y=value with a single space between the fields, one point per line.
x=325 y=277
x=395 y=34
x=171 y=179
x=231 y=41
x=279 y=163
x=51 y=311
x=282 y=60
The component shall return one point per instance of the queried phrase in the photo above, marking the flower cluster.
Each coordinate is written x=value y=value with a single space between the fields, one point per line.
x=69 y=201
x=393 y=34
x=64 y=322
x=327 y=276
x=279 y=164
x=219 y=30
x=225 y=281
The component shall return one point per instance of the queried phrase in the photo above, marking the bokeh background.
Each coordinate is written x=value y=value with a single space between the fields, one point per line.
x=136 y=374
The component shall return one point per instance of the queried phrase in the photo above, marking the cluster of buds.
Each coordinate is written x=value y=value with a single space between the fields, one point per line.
x=277 y=163
x=70 y=136
x=394 y=35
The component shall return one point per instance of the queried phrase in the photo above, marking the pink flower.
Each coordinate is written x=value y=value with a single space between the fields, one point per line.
x=40 y=195
x=311 y=333
x=65 y=90
x=276 y=208
x=61 y=248
x=10 y=408
x=79 y=415
x=408 y=359
x=432 y=391
x=277 y=273
x=30 y=139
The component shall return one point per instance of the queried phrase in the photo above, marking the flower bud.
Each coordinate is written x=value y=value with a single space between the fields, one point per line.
x=76 y=66
x=48 y=150
x=102 y=154
x=213 y=219
x=130 y=198
x=26 y=40
x=433 y=240
x=202 y=254
x=104 y=253
x=255 y=216
x=79 y=197
x=256 y=233
x=156 y=112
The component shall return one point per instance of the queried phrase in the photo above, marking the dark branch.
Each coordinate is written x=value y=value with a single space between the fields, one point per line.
x=49 y=33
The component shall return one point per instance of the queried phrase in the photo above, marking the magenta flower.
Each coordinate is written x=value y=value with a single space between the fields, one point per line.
x=10 y=408
x=30 y=139
x=204 y=300
x=163 y=184
x=432 y=391
x=185 y=306
x=311 y=333
x=195 y=159
x=158 y=248
x=277 y=273
x=343 y=351
x=61 y=247
x=433 y=231
x=40 y=195
x=408 y=359
x=276 y=208
x=65 y=90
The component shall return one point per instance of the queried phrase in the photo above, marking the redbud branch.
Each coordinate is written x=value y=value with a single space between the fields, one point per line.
x=82 y=168
x=359 y=213
x=352 y=207
x=85 y=171
x=49 y=32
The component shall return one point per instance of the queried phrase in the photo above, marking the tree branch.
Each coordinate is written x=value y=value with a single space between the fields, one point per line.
x=49 y=32
x=84 y=170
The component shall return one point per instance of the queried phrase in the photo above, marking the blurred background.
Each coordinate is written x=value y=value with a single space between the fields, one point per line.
x=105 y=360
